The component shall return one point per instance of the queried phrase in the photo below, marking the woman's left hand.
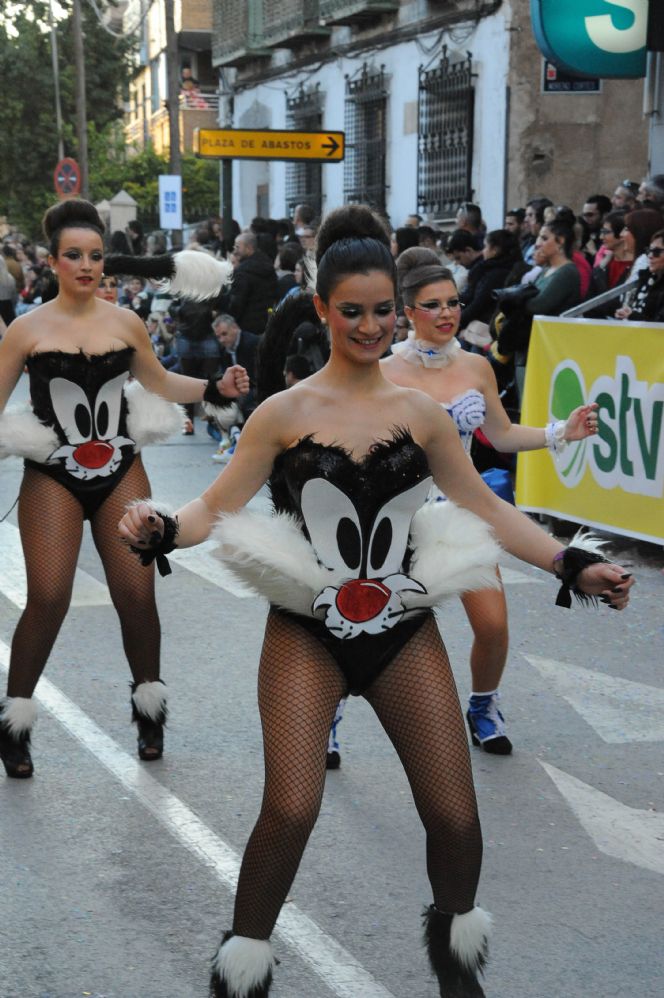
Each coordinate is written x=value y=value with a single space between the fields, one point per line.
x=235 y=382
x=582 y=422
x=609 y=582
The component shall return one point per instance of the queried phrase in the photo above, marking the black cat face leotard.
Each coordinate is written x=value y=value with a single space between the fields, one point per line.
x=357 y=517
x=81 y=397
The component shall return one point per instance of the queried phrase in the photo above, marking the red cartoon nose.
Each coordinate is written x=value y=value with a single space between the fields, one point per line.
x=93 y=454
x=362 y=599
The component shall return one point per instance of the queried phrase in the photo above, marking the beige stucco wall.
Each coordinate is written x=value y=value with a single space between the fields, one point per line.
x=568 y=146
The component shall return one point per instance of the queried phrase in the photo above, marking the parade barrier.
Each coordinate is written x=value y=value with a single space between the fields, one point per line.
x=615 y=480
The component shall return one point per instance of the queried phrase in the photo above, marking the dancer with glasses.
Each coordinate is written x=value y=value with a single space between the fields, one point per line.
x=352 y=563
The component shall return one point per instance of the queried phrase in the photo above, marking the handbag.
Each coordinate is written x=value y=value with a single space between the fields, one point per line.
x=513 y=297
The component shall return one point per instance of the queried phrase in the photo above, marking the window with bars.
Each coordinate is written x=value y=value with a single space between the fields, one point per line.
x=445 y=137
x=304 y=185
x=366 y=135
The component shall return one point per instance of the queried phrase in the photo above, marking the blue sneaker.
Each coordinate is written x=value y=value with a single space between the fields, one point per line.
x=487 y=724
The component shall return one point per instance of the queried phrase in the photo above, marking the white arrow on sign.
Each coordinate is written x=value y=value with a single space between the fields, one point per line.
x=620 y=710
x=622 y=832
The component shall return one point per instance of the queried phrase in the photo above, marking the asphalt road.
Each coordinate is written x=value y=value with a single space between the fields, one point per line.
x=116 y=876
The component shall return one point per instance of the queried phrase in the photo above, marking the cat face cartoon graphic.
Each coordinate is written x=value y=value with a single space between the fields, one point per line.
x=89 y=422
x=368 y=556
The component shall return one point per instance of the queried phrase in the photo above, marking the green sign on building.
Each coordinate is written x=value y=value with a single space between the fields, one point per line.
x=604 y=38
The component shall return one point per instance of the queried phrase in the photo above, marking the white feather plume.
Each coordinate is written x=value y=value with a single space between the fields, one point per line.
x=198 y=275
x=588 y=541
x=226 y=416
x=18 y=714
x=23 y=435
x=150 y=418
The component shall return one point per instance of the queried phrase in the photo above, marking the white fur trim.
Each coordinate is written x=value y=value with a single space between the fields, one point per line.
x=588 y=541
x=454 y=552
x=150 y=699
x=18 y=714
x=198 y=275
x=23 y=435
x=243 y=964
x=150 y=418
x=469 y=936
x=229 y=415
x=271 y=555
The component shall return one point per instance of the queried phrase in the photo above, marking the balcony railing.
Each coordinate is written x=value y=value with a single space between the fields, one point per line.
x=238 y=32
x=200 y=99
x=290 y=22
x=349 y=11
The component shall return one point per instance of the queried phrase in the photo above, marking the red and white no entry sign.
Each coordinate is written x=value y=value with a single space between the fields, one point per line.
x=67 y=177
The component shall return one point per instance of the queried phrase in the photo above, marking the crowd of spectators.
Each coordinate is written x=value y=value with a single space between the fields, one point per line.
x=545 y=259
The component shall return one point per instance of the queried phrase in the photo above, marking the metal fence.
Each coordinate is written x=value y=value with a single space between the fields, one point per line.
x=445 y=145
x=304 y=185
x=365 y=123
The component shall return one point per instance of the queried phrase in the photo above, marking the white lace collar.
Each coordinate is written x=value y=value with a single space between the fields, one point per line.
x=424 y=353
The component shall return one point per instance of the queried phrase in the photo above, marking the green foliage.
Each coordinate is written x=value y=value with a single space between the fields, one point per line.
x=27 y=111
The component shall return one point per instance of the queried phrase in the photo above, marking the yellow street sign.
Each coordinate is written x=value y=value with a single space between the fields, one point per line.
x=236 y=143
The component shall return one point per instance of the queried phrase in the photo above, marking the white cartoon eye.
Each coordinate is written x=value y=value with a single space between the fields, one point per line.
x=333 y=525
x=107 y=407
x=71 y=406
x=389 y=535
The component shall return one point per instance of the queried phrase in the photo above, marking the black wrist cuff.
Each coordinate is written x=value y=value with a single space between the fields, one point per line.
x=568 y=568
x=214 y=396
x=160 y=545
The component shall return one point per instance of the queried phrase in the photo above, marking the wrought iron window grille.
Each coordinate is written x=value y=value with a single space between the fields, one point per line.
x=304 y=180
x=365 y=123
x=446 y=100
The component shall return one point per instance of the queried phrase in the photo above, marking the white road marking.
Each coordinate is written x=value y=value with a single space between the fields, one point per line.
x=87 y=590
x=620 y=710
x=622 y=832
x=339 y=970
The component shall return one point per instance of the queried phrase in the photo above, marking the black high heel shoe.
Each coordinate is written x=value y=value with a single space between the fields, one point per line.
x=149 y=712
x=17 y=716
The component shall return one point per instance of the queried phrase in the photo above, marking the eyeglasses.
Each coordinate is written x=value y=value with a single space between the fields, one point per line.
x=436 y=308
x=655 y=251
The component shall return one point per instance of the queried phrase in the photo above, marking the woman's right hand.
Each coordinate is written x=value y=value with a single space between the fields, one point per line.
x=624 y=312
x=141 y=526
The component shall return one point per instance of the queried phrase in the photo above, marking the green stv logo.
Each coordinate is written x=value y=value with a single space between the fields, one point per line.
x=595 y=38
x=628 y=451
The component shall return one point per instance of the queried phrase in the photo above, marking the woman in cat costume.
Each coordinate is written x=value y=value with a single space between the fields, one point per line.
x=81 y=440
x=352 y=564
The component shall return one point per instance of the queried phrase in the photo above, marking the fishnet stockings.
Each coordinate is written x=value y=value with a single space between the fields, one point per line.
x=299 y=686
x=51 y=525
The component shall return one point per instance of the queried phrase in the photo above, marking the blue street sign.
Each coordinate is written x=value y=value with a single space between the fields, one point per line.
x=600 y=38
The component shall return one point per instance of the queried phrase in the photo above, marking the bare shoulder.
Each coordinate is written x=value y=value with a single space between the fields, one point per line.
x=22 y=334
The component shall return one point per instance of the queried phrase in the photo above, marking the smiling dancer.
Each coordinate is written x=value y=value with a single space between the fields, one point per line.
x=80 y=446
x=352 y=564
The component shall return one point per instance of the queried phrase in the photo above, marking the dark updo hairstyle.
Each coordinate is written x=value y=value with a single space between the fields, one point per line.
x=351 y=240
x=74 y=213
x=416 y=268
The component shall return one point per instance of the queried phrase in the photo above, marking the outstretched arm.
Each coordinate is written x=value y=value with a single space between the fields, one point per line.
x=14 y=349
x=510 y=437
x=518 y=534
x=176 y=387
x=260 y=442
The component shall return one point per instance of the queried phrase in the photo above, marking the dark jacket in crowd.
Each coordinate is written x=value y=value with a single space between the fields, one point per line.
x=245 y=355
x=483 y=278
x=252 y=293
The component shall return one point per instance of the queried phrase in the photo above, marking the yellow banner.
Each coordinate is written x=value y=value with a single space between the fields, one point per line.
x=614 y=480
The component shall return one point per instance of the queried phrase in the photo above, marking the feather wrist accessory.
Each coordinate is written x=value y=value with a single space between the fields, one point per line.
x=160 y=544
x=213 y=396
x=568 y=565
x=554 y=436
